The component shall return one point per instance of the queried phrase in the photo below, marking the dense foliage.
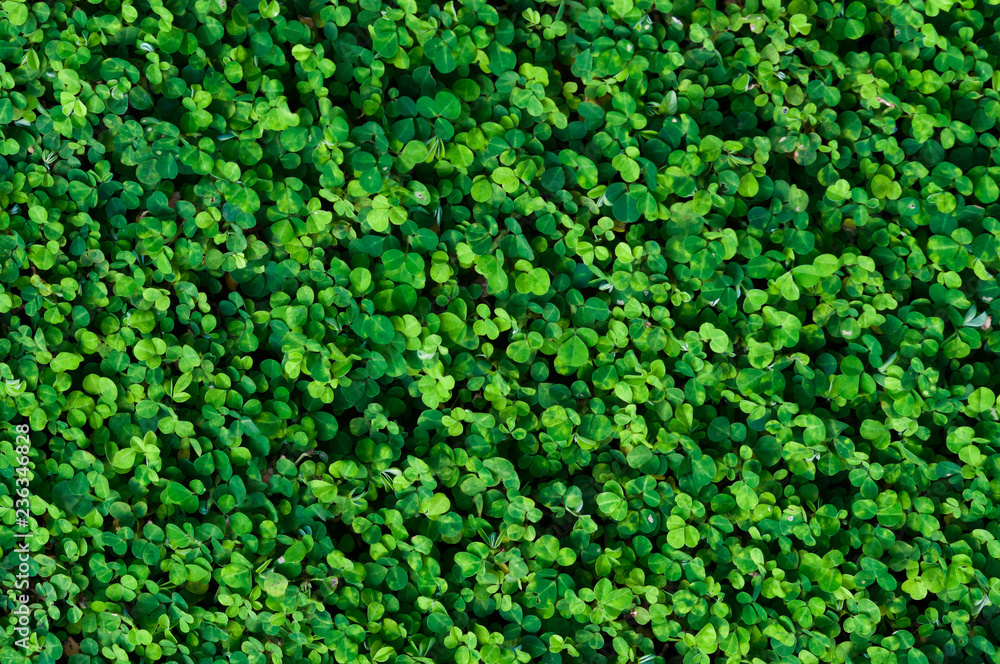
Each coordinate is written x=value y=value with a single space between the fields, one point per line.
x=603 y=331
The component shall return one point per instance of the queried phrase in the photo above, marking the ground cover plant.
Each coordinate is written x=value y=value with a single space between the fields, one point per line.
x=566 y=332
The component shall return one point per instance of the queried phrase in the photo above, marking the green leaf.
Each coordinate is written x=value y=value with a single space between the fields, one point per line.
x=236 y=577
x=620 y=8
x=274 y=584
x=123 y=460
x=748 y=186
x=703 y=471
x=447 y=105
x=573 y=352
x=883 y=187
x=371 y=181
x=437 y=505
x=66 y=362
x=617 y=601
x=987 y=190
x=761 y=354
x=981 y=400
x=380 y=330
